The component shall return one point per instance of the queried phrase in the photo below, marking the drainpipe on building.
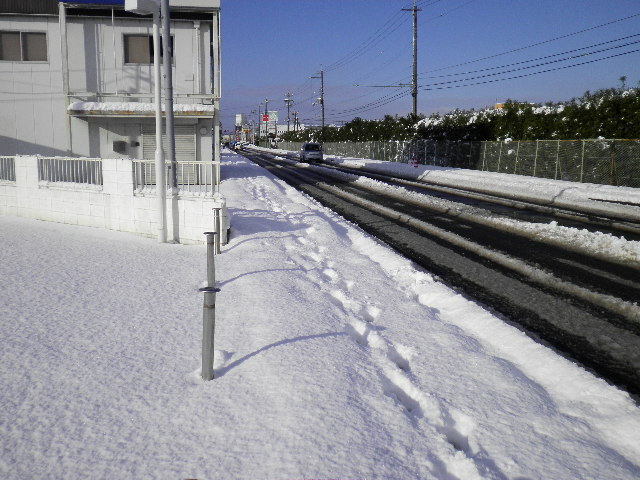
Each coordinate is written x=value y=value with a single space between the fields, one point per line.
x=197 y=83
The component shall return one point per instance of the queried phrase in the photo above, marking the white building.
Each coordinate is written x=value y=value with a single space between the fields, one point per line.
x=76 y=79
x=288 y=128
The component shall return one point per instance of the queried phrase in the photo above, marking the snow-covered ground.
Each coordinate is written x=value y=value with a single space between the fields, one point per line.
x=335 y=358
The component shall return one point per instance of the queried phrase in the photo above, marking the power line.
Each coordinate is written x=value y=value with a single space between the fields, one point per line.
x=447 y=12
x=377 y=103
x=454 y=84
x=534 y=59
x=390 y=26
x=535 y=73
x=380 y=104
x=538 y=43
x=393 y=25
x=535 y=65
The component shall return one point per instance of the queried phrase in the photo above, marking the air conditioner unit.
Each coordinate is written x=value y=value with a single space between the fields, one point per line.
x=120 y=146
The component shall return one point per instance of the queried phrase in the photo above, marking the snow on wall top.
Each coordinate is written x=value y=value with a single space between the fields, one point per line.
x=133 y=108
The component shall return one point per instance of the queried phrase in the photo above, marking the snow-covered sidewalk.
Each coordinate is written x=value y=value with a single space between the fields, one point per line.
x=335 y=358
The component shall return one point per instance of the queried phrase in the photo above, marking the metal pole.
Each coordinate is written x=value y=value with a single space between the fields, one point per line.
x=167 y=61
x=62 y=15
x=557 y=159
x=288 y=101
x=216 y=89
x=217 y=225
x=414 y=82
x=266 y=112
x=208 y=331
x=211 y=251
x=322 y=100
x=216 y=141
x=414 y=88
x=161 y=182
x=582 y=164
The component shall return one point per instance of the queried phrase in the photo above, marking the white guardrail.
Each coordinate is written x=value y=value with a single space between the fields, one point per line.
x=193 y=178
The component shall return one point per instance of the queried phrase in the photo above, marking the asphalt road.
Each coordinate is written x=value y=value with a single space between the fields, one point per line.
x=572 y=302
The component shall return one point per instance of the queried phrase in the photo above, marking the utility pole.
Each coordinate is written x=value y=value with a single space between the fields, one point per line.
x=414 y=83
x=168 y=95
x=295 y=121
x=259 y=121
x=266 y=112
x=253 y=127
x=288 y=101
x=321 y=99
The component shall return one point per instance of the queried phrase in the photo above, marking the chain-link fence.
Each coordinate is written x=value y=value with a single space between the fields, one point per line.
x=611 y=162
x=425 y=152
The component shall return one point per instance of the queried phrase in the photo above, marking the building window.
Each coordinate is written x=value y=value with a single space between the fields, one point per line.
x=23 y=46
x=138 y=49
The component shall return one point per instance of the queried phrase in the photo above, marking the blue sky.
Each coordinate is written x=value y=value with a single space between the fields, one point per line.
x=271 y=47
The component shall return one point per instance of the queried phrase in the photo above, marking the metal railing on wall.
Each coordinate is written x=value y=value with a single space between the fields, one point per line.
x=194 y=178
x=8 y=169
x=611 y=162
x=87 y=171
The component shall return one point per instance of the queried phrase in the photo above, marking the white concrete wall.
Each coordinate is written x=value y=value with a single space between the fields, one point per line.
x=97 y=63
x=114 y=206
x=32 y=116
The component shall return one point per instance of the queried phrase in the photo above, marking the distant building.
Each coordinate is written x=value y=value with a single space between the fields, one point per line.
x=246 y=128
x=289 y=128
x=241 y=122
x=76 y=78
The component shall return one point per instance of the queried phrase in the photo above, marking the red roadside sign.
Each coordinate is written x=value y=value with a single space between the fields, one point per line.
x=265 y=118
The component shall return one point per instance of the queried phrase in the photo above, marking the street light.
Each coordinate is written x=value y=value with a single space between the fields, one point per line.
x=152 y=7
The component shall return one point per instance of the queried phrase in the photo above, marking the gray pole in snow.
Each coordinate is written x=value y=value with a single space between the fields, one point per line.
x=208 y=331
x=217 y=226
x=211 y=267
x=209 y=310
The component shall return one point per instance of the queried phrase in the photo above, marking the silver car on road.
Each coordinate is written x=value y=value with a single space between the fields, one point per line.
x=311 y=151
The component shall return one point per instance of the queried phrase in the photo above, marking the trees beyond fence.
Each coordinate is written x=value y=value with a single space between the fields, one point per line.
x=610 y=162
